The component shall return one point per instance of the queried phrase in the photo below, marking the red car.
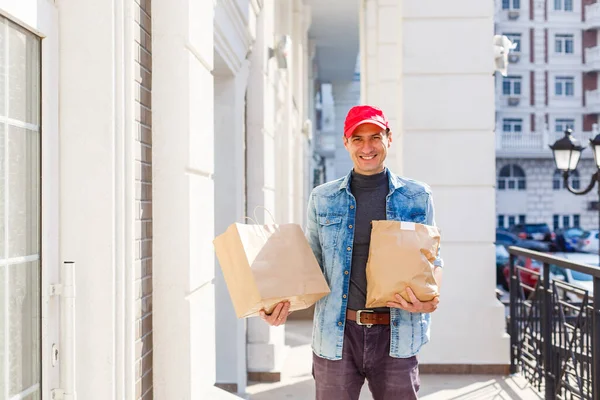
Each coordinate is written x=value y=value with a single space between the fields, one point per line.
x=527 y=278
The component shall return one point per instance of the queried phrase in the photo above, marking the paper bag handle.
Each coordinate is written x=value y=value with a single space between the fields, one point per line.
x=268 y=212
x=258 y=225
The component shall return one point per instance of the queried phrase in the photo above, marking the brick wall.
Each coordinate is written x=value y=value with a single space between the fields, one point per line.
x=143 y=176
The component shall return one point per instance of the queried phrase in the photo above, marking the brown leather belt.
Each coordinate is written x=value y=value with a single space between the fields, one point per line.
x=368 y=317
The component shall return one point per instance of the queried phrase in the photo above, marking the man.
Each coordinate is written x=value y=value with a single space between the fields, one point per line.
x=349 y=342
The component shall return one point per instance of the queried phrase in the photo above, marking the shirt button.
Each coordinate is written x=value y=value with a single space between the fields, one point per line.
x=350 y=226
x=344 y=296
x=345 y=272
x=339 y=323
x=348 y=248
x=351 y=207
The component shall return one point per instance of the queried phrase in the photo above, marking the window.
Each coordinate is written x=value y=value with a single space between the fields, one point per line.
x=512 y=125
x=511 y=4
x=511 y=177
x=566 y=221
x=555 y=221
x=564 y=86
x=515 y=38
x=564 y=44
x=522 y=219
x=576 y=221
x=558 y=180
x=574 y=179
x=511 y=85
x=500 y=221
x=562 y=125
x=511 y=221
x=563 y=5
x=20 y=211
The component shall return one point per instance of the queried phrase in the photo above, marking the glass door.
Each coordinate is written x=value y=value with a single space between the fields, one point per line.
x=20 y=295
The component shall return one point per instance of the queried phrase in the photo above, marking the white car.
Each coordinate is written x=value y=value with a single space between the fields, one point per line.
x=588 y=242
x=575 y=278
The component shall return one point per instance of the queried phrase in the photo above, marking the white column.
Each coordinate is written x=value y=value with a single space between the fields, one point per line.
x=266 y=350
x=345 y=96
x=381 y=66
x=183 y=200
x=426 y=57
x=230 y=207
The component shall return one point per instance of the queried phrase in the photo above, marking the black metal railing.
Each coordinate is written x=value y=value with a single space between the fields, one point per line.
x=554 y=327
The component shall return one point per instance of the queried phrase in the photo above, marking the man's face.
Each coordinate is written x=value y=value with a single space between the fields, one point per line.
x=368 y=147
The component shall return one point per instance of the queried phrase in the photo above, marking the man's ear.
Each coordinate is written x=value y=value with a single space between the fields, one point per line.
x=345 y=140
x=389 y=135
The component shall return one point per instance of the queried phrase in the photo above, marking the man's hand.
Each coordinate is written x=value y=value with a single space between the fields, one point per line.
x=279 y=314
x=415 y=305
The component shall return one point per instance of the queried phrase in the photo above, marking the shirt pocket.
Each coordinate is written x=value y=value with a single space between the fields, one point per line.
x=419 y=218
x=330 y=230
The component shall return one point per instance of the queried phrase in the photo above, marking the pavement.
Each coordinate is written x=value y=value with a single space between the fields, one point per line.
x=297 y=382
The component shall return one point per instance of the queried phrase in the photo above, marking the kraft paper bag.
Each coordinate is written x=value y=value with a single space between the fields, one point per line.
x=401 y=254
x=264 y=265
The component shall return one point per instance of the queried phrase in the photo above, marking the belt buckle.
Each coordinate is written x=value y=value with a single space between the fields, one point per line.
x=358 y=314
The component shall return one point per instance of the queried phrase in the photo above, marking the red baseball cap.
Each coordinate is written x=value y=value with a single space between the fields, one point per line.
x=360 y=115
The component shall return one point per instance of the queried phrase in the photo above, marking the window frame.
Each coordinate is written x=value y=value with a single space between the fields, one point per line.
x=562 y=84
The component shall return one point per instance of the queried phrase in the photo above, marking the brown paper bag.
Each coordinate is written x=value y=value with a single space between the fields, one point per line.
x=264 y=265
x=401 y=254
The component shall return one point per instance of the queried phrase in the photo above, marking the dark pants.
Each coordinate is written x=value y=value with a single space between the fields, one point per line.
x=366 y=355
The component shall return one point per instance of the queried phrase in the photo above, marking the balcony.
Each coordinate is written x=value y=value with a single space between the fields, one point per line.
x=592 y=59
x=533 y=144
x=592 y=101
x=592 y=16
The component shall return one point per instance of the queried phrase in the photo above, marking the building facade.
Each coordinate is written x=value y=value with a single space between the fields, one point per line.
x=131 y=134
x=552 y=85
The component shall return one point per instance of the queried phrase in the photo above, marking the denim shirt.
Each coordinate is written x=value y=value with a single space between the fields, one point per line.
x=331 y=217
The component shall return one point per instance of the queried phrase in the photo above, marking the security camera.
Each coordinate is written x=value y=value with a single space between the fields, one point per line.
x=502 y=47
x=282 y=50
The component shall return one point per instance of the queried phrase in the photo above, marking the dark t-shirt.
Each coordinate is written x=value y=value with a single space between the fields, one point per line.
x=370 y=192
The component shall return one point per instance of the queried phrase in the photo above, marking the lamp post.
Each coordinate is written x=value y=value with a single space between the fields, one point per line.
x=567 y=153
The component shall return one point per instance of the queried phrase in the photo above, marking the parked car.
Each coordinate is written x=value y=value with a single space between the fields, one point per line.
x=539 y=232
x=575 y=278
x=507 y=239
x=532 y=268
x=502 y=259
x=529 y=275
x=588 y=242
x=566 y=239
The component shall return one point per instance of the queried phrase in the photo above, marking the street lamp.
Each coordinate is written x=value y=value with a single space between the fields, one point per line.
x=567 y=153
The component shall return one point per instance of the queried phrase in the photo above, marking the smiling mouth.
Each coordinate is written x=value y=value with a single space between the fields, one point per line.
x=369 y=157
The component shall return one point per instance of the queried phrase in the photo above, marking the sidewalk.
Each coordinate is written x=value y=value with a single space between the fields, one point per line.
x=297 y=382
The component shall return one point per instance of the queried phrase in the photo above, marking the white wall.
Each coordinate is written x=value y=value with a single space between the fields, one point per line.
x=439 y=99
x=96 y=191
